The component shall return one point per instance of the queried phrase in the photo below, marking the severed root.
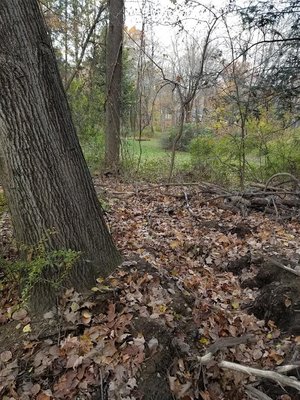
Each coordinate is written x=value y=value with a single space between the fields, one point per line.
x=281 y=379
x=224 y=343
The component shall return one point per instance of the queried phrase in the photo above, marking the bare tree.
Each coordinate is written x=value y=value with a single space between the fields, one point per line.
x=114 y=51
x=188 y=86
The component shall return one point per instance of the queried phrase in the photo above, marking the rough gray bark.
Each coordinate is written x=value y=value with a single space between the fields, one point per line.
x=44 y=174
x=114 y=79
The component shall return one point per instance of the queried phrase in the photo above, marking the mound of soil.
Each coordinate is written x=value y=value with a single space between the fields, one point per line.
x=279 y=297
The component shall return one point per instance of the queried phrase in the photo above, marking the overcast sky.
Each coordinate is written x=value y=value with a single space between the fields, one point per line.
x=159 y=16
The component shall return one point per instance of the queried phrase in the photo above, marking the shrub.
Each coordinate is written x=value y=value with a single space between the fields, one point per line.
x=283 y=156
x=202 y=149
x=209 y=158
x=190 y=131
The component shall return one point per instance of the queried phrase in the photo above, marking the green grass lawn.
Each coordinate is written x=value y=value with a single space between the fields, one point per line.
x=151 y=151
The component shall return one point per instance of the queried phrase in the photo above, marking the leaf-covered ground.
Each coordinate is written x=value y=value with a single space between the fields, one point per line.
x=142 y=333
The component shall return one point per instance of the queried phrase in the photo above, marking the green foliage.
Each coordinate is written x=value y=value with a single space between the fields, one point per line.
x=104 y=204
x=87 y=105
x=87 y=96
x=273 y=148
x=211 y=158
x=203 y=148
x=35 y=270
x=268 y=150
x=283 y=155
x=147 y=133
x=3 y=203
x=94 y=149
x=190 y=131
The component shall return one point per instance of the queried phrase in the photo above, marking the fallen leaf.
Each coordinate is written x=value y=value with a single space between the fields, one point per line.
x=49 y=315
x=19 y=315
x=287 y=302
x=235 y=304
x=27 y=328
x=74 y=361
x=86 y=317
x=35 y=389
x=174 y=244
x=257 y=354
x=44 y=396
x=152 y=345
x=5 y=356
x=203 y=340
x=205 y=395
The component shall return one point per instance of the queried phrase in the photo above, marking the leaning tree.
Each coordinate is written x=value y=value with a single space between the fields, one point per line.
x=45 y=177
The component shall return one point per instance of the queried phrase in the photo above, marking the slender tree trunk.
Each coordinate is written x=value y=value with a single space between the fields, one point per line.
x=177 y=138
x=114 y=79
x=66 y=42
x=45 y=176
x=188 y=112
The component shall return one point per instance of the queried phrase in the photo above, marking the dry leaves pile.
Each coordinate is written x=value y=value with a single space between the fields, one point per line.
x=153 y=318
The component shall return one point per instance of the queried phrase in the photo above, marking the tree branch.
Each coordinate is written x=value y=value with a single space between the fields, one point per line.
x=85 y=44
x=281 y=379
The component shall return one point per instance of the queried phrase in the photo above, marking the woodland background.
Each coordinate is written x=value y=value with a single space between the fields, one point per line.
x=224 y=87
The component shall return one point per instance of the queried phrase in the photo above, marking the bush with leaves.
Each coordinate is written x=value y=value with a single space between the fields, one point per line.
x=282 y=155
x=190 y=132
x=213 y=159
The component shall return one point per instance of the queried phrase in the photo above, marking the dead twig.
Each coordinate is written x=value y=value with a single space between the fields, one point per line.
x=275 y=207
x=188 y=206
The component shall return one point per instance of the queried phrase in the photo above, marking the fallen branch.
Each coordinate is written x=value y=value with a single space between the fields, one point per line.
x=275 y=376
x=287 y=368
x=224 y=343
x=282 y=174
x=282 y=266
x=120 y=194
x=256 y=394
x=262 y=186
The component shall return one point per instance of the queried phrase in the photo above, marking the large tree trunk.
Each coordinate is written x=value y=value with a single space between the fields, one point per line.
x=114 y=79
x=44 y=174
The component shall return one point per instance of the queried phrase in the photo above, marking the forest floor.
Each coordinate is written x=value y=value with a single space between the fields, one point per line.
x=202 y=293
